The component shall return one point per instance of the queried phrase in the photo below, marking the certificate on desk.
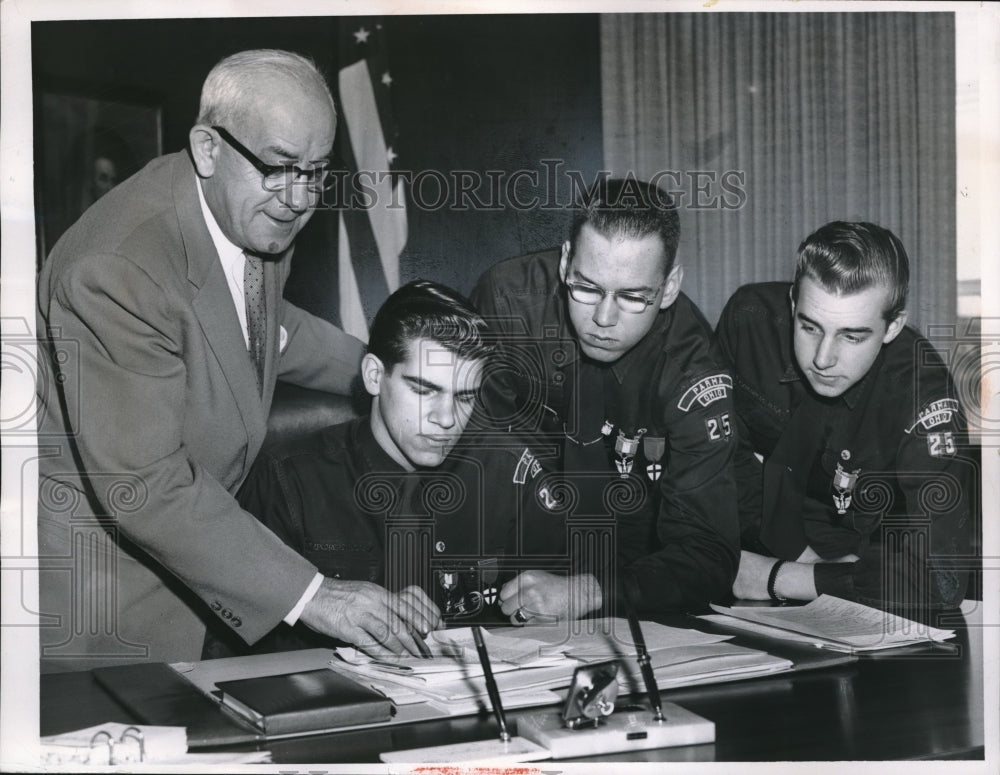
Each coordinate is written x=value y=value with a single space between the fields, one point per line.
x=832 y=623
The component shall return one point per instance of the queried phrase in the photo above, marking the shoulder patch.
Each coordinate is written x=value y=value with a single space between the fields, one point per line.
x=528 y=463
x=935 y=413
x=941 y=444
x=705 y=391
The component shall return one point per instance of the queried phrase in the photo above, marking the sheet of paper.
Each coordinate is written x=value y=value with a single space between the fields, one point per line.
x=454 y=657
x=606 y=638
x=694 y=663
x=446 y=688
x=831 y=618
x=674 y=666
x=765 y=629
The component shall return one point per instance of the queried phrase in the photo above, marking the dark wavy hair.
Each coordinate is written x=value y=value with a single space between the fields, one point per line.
x=426 y=310
x=847 y=257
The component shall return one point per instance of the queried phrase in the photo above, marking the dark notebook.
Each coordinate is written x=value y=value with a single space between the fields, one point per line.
x=311 y=700
x=157 y=694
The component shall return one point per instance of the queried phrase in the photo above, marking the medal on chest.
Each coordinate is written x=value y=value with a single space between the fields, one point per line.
x=653 y=448
x=843 y=484
x=625 y=449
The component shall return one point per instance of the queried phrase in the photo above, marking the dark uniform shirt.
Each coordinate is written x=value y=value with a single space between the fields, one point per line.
x=338 y=499
x=635 y=456
x=879 y=472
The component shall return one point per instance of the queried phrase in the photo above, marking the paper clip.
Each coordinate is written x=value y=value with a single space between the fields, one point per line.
x=115 y=754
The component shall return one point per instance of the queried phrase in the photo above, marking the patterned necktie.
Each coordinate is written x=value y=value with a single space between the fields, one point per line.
x=253 y=290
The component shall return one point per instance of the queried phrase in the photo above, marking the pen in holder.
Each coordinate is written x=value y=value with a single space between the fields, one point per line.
x=506 y=749
x=491 y=683
x=589 y=724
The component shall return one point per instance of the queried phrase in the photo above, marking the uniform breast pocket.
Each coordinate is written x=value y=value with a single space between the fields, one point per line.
x=762 y=424
x=857 y=492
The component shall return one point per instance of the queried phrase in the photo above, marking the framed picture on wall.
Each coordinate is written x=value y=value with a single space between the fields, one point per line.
x=90 y=140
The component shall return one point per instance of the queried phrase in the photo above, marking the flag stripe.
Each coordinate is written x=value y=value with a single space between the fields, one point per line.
x=352 y=314
x=388 y=214
x=373 y=287
x=370 y=286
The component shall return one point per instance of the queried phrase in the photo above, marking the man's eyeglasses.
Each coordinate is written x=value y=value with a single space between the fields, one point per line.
x=585 y=293
x=278 y=177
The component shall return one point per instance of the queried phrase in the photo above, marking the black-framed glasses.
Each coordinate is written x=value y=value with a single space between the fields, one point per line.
x=278 y=177
x=627 y=301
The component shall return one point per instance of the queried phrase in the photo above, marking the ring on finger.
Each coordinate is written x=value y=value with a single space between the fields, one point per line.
x=520 y=616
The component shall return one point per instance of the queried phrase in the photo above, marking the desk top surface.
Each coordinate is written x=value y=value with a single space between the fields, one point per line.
x=917 y=704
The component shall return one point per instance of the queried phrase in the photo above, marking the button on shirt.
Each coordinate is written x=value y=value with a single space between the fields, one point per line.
x=880 y=472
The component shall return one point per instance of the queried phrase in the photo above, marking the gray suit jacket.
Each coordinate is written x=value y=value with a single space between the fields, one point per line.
x=149 y=421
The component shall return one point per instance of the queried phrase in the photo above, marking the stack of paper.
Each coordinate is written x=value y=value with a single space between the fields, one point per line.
x=454 y=673
x=833 y=623
x=530 y=662
x=679 y=657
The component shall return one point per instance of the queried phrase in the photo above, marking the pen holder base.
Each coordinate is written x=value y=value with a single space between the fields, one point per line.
x=623 y=730
x=517 y=749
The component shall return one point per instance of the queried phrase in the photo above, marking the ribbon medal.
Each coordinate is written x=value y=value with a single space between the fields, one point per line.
x=843 y=488
x=626 y=448
x=653 y=448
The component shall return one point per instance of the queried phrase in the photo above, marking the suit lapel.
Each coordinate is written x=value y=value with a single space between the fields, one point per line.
x=213 y=305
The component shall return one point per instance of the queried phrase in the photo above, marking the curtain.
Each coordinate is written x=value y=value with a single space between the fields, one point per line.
x=772 y=124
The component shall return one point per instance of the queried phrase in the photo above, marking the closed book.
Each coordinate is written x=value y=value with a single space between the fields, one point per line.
x=157 y=694
x=307 y=701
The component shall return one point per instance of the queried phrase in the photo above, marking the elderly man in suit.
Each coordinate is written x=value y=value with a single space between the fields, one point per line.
x=163 y=330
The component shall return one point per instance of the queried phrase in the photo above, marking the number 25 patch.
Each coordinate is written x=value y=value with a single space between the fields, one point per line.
x=719 y=428
x=941 y=444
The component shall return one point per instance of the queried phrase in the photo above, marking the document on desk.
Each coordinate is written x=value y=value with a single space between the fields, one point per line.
x=454 y=671
x=454 y=652
x=834 y=623
x=532 y=660
x=532 y=665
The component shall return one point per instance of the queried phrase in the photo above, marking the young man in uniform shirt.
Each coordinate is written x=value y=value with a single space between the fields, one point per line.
x=396 y=498
x=609 y=373
x=864 y=490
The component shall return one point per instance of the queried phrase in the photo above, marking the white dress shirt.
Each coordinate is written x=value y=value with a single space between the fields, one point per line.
x=233 y=261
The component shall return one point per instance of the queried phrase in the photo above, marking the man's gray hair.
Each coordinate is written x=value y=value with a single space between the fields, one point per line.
x=227 y=96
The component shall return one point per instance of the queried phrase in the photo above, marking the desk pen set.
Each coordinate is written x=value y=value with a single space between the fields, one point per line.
x=588 y=724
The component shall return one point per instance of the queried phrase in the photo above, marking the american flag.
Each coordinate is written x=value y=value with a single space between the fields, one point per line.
x=371 y=236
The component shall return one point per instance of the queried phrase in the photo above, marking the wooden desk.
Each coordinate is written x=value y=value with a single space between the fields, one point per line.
x=915 y=705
